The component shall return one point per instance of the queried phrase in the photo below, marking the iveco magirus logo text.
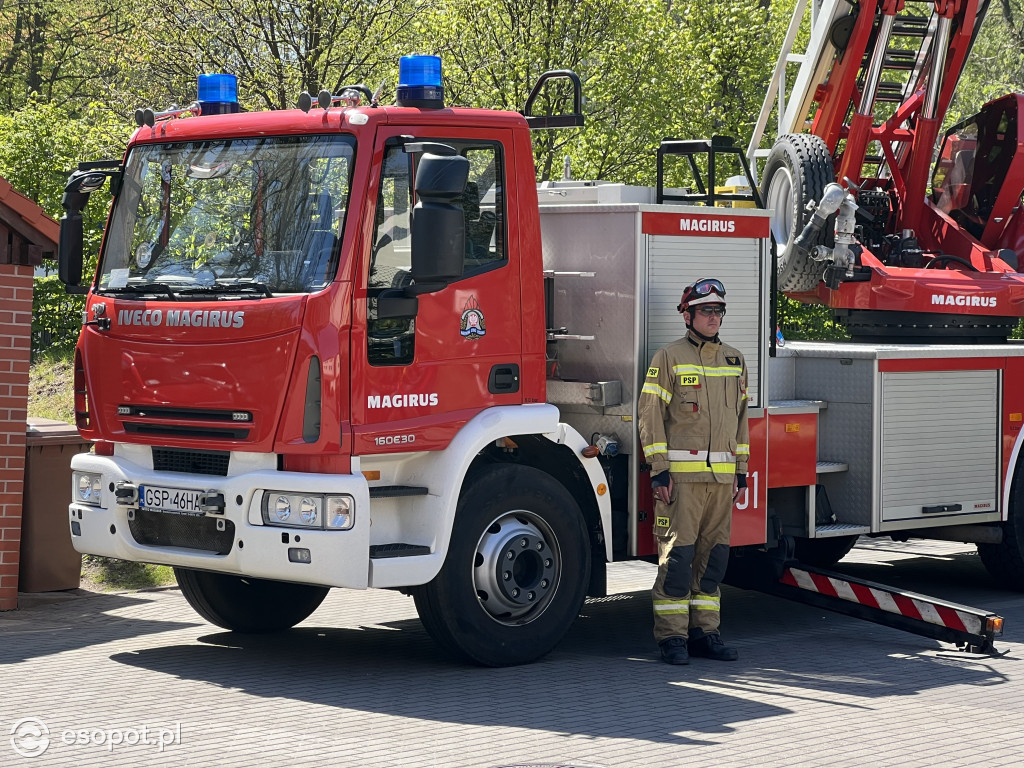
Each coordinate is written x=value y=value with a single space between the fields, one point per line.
x=400 y=401
x=707 y=225
x=177 y=318
x=963 y=301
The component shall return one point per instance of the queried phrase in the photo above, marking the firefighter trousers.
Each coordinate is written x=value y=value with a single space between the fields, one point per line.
x=693 y=551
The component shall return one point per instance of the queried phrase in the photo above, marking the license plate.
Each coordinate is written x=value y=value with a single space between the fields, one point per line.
x=179 y=500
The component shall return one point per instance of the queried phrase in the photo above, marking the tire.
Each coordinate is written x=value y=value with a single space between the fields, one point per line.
x=1005 y=561
x=484 y=610
x=248 y=605
x=798 y=169
x=824 y=553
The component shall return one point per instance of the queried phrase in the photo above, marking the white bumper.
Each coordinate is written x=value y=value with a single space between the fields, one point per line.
x=336 y=558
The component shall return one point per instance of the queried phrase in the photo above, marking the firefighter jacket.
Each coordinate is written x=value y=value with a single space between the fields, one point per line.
x=693 y=412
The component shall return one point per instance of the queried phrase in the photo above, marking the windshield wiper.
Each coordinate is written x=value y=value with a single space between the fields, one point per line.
x=151 y=287
x=230 y=287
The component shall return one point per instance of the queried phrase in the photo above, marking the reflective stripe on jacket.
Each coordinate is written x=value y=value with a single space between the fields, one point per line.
x=693 y=411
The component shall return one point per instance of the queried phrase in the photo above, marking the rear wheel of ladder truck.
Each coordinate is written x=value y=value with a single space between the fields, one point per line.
x=1005 y=560
x=797 y=171
x=242 y=604
x=517 y=569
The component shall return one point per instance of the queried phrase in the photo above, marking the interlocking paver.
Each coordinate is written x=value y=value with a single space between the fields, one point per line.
x=361 y=684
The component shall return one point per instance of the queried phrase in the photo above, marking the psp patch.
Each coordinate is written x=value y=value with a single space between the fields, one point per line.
x=689 y=379
x=661 y=522
x=652 y=373
x=732 y=360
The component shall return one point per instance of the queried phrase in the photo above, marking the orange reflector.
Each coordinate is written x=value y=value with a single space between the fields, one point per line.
x=372 y=474
x=994 y=624
x=602 y=489
x=590 y=452
x=793 y=427
x=1016 y=416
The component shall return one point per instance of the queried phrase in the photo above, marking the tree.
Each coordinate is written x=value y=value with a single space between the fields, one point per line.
x=277 y=49
x=59 y=50
x=39 y=147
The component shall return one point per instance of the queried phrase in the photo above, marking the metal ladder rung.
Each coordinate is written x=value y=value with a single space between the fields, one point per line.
x=911 y=26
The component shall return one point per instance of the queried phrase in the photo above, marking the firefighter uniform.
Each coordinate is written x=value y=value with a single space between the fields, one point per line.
x=693 y=423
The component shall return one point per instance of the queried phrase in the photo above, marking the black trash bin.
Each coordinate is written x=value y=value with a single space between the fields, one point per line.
x=48 y=561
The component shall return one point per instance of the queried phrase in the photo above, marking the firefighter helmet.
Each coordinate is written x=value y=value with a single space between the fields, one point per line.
x=705 y=291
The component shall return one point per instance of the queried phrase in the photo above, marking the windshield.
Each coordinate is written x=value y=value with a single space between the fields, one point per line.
x=262 y=215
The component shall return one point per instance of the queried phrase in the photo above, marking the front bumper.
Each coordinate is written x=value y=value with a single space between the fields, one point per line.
x=241 y=543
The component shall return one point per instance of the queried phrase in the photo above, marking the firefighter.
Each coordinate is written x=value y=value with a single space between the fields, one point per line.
x=694 y=433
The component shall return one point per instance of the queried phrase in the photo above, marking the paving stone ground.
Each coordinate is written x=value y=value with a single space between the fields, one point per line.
x=361 y=684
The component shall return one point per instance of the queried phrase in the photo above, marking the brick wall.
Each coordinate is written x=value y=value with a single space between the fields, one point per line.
x=15 y=347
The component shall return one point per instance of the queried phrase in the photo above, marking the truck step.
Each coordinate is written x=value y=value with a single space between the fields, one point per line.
x=840 y=529
x=832 y=466
x=378 y=551
x=390 y=491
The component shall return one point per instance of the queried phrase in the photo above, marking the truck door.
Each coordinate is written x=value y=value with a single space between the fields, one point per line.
x=416 y=381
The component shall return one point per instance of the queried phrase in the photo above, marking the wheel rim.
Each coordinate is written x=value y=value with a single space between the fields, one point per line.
x=517 y=568
x=780 y=201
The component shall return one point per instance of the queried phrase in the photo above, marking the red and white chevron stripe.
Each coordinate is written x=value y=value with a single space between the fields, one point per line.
x=903 y=604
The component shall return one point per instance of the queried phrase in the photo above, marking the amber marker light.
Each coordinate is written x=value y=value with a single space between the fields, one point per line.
x=372 y=474
x=994 y=624
x=590 y=452
x=602 y=489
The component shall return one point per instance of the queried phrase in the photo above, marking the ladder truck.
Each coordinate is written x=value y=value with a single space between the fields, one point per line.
x=900 y=249
x=356 y=345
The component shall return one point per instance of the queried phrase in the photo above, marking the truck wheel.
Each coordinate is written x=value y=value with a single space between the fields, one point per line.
x=824 y=553
x=516 y=572
x=798 y=169
x=1005 y=561
x=242 y=604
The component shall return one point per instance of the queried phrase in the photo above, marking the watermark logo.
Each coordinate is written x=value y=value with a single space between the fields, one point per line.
x=30 y=737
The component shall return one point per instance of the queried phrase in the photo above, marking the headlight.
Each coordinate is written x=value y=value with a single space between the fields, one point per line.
x=309 y=510
x=87 y=488
x=306 y=510
x=340 y=512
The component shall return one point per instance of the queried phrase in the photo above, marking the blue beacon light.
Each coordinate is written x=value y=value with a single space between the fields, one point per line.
x=419 y=82
x=218 y=94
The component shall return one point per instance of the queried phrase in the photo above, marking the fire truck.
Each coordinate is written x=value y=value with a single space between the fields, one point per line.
x=356 y=345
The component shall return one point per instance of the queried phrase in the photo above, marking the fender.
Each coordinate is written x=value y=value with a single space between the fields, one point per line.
x=444 y=472
x=1011 y=468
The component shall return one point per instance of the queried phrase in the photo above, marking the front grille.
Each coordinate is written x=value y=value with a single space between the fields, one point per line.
x=193 y=462
x=163 y=529
x=181 y=431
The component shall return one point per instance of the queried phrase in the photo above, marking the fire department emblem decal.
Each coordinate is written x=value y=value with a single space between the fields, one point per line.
x=472 y=325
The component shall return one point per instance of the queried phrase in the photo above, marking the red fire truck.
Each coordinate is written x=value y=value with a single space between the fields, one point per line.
x=354 y=345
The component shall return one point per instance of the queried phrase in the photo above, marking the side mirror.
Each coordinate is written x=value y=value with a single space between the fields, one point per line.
x=69 y=249
x=438 y=223
x=81 y=184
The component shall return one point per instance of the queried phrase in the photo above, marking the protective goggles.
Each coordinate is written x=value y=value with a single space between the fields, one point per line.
x=706 y=286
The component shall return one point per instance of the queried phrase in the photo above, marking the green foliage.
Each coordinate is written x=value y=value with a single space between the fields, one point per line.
x=56 y=315
x=40 y=144
x=50 y=394
x=807 y=322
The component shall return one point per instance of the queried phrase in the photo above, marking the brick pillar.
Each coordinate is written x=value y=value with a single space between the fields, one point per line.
x=15 y=349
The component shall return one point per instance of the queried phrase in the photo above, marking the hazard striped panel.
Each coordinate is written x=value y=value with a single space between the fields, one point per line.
x=905 y=604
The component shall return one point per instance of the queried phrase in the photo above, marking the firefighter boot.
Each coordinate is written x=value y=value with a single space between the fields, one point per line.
x=710 y=646
x=673 y=650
